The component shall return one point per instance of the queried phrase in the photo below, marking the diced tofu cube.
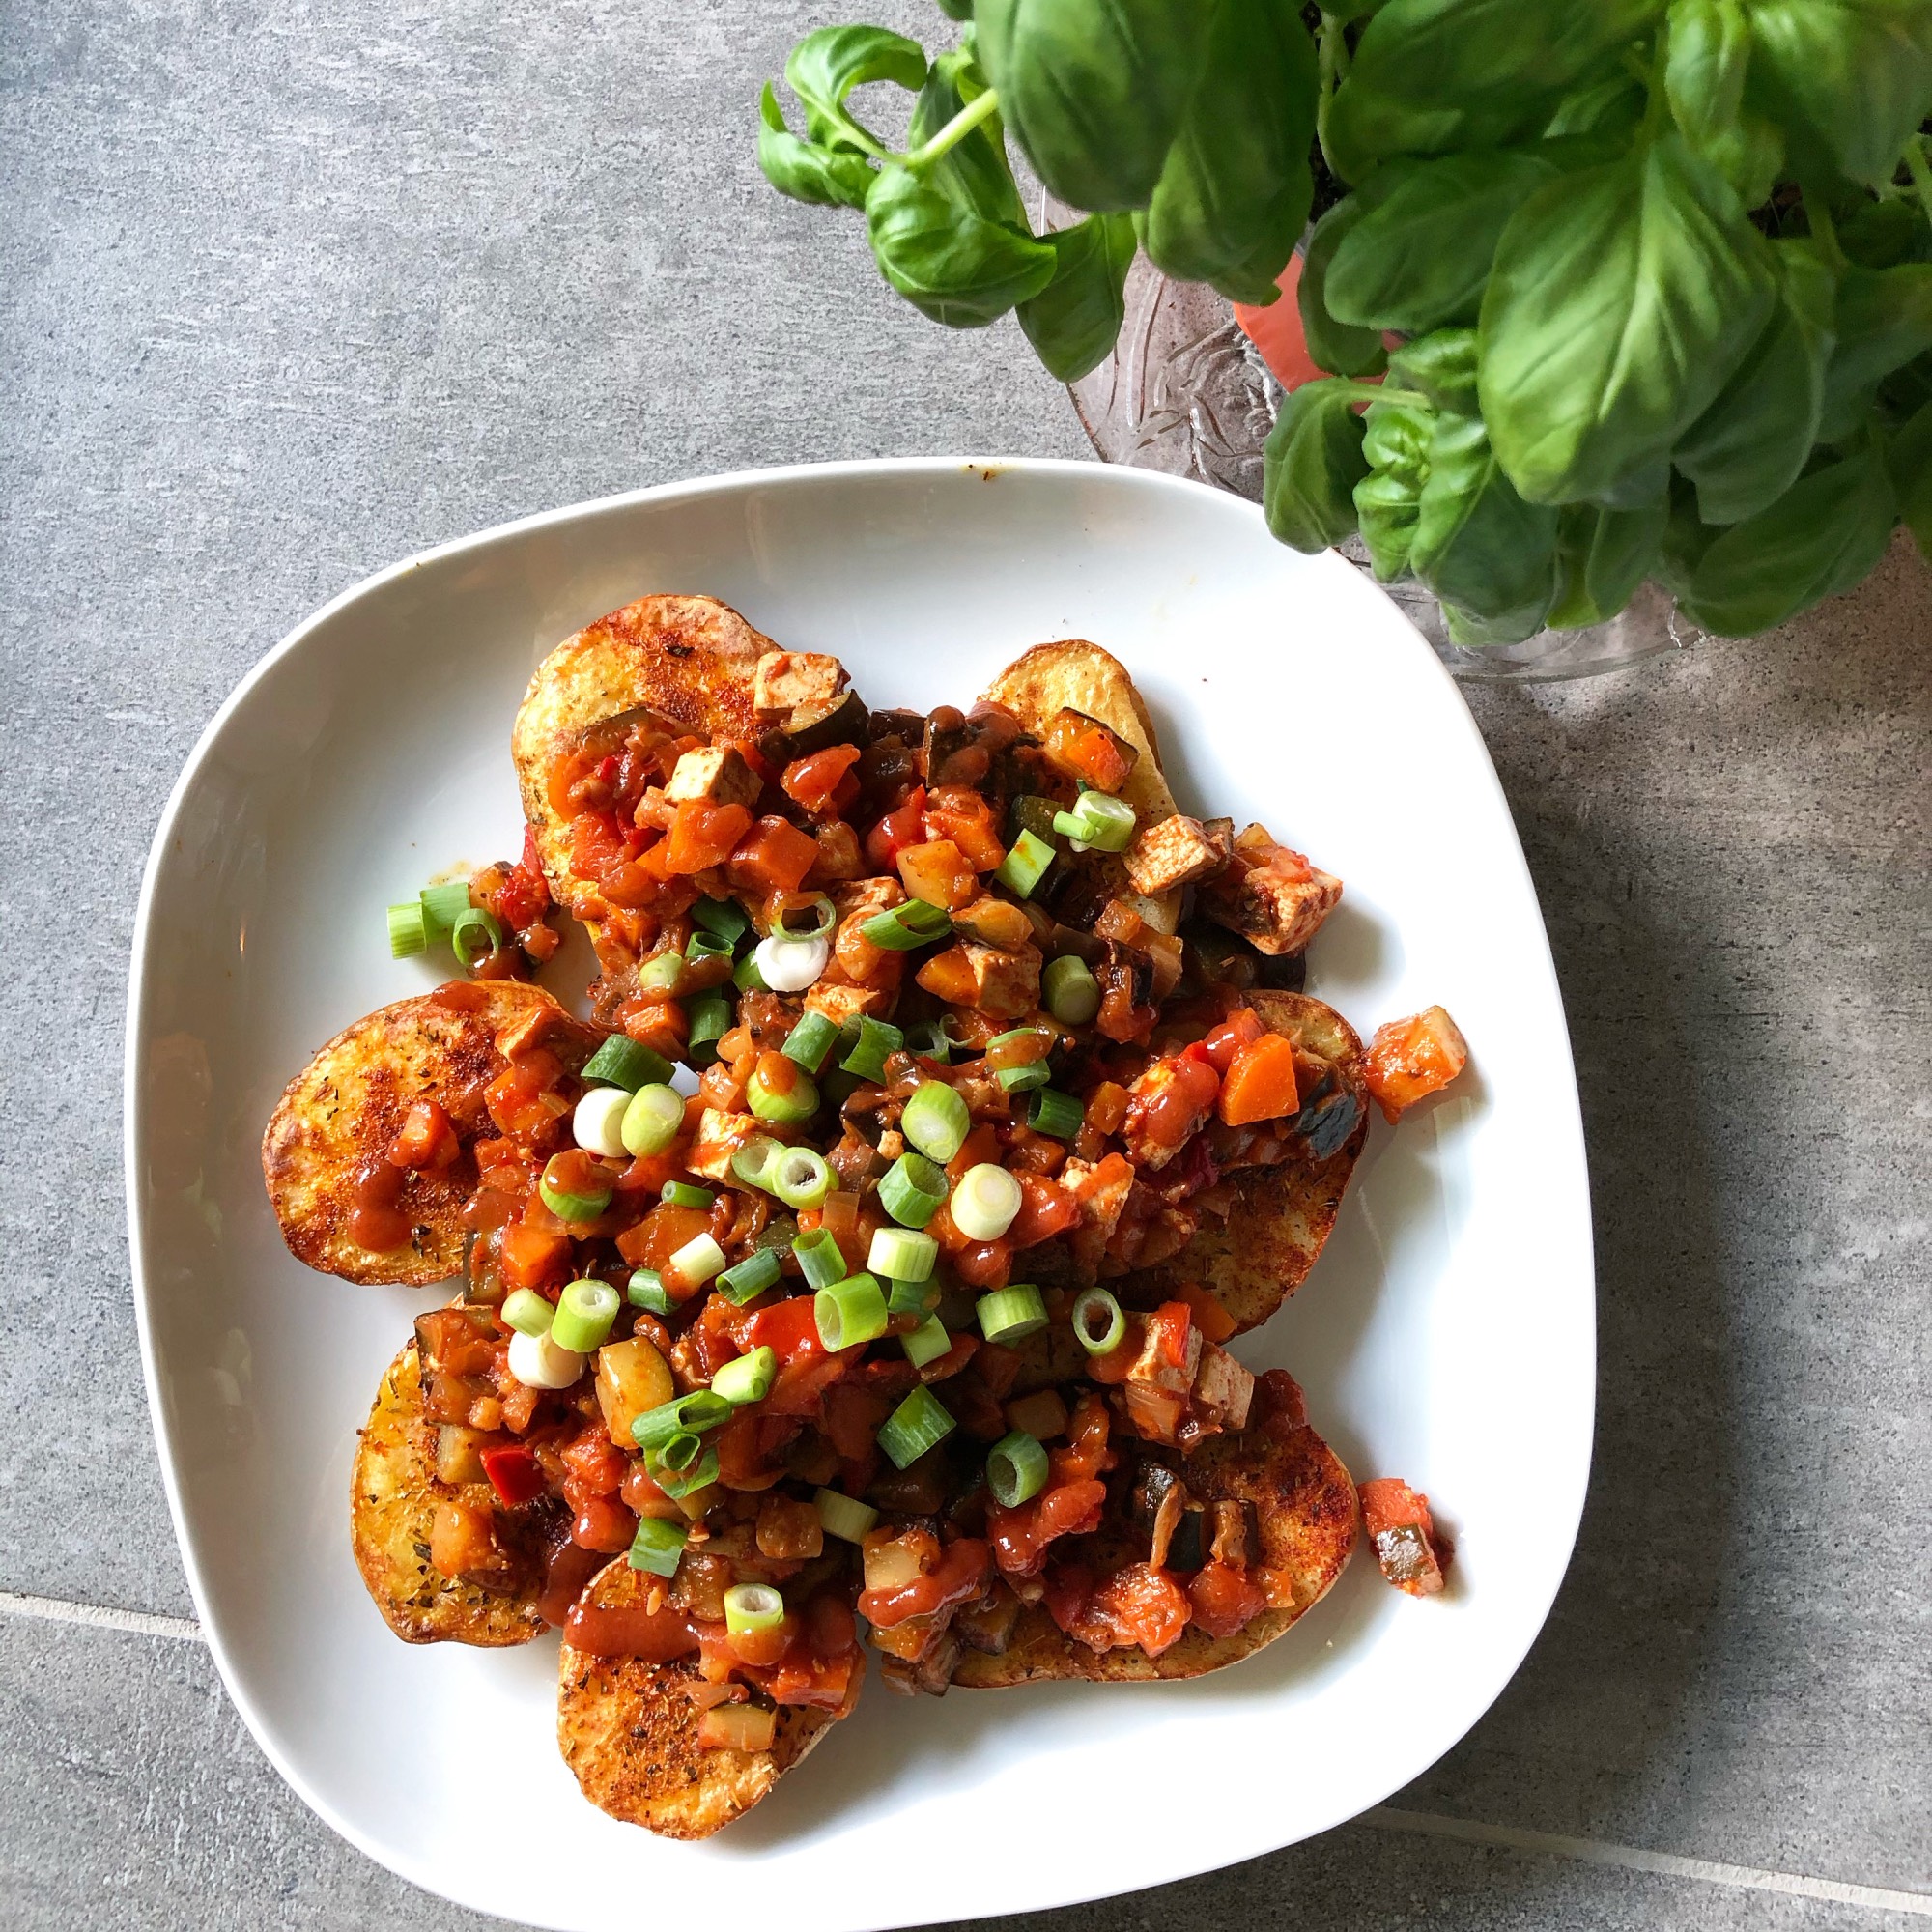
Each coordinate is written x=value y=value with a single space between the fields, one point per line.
x=985 y=978
x=1272 y=897
x=1175 y=852
x=1100 y=1188
x=868 y=897
x=841 y=1003
x=719 y=1135
x=1163 y=1089
x=1222 y=1388
x=796 y=685
x=718 y=774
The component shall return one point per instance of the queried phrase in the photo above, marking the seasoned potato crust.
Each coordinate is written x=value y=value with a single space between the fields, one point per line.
x=392 y=1501
x=1305 y=1505
x=347 y=1105
x=628 y=1731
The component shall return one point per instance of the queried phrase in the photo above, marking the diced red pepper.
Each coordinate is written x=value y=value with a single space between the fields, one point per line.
x=514 y=1473
x=773 y=856
x=813 y=782
x=900 y=828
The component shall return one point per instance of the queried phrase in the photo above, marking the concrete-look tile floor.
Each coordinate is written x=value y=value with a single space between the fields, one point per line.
x=287 y=295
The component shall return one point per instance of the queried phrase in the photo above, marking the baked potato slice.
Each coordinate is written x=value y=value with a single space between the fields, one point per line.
x=342 y=1110
x=689 y=660
x=393 y=1497
x=1255 y=1257
x=1304 y=1503
x=627 y=1730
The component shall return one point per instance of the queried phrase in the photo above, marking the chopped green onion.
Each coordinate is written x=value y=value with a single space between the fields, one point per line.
x=653 y=1119
x=657 y=1546
x=987 y=1202
x=1028 y=1072
x=936 y=1122
x=746 y=1378
x=1011 y=1314
x=626 y=1063
x=646 y=1291
x=1096 y=822
x=661 y=973
x=900 y=1255
x=876 y=1040
x=709 y=1018
x=566 y=1206
x=444 y=905
x=725 y=919
x=930 y=1041
x=703 y=944
x=797 y=1103
x=584 y=1313
x=1097 y=1322
x=1072 y=993
x=914 y=1426
x=844 y=1517
x=527 y=1312
x=819 y=1256
x=1026 y=862
x=747 y=978
x=677 y=1451
x=408 y=931
x=801 y=1177
x=751 y=1276
x=926 y=1343
x=677 y=1485
x=682 y=1194
x=911 y=1297
x=692 y=1412
x=912 y=1189
x=752 y=1609
x=849 y=1312
x=810 y=1040
x=906 y=927
x=753 y=1163
x=699 y=1260
x=1016 y=1469
x=470 y=926
x=823 y=918
x=1056 y=1113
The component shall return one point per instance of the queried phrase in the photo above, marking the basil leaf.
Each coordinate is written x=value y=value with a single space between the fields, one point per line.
x=1074 y=321
x=1469 y=51
x=1747 y=448
x=1910 y=457
x=1421 y=259
x=973 y=173
x=1884 y=320
x=951 y=264
x=1311 y=466
x=1233 y=195
x=1388 y=500
x=1443 y=365
x=1602 y=557
x=1335 y=344
x=1621 y=300
x=804 y=171
x=1093 y=90
x=1856 y=76
x=956 y=10
x=1610 y=104
x=827 y=64
x=1365 y=128
x=1475 y=632
x=1478 y=544
x=1708 y=53
x=1882 y=234
x=1824 y=534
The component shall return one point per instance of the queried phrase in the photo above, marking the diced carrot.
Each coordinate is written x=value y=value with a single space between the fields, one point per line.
x=1107 y=1107
x=659 y=1024
x=949 y=976
x=982 y=1144
x=1213 y=1321
x=1260 y=1085
x=1046 y=1210
x=532 y=1258
x=964 y=817
x=1409 y=1060
x=703 y=835
x=938 y=872
x=773 y=856
x=1083 y=748
x=814 y=781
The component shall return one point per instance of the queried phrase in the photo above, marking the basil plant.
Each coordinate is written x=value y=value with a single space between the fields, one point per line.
x=1611 y=290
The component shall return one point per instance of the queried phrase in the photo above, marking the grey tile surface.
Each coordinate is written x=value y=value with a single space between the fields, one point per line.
x=286 y=293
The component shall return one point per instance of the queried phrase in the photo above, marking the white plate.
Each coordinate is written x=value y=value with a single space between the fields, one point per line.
x=1448 y=1335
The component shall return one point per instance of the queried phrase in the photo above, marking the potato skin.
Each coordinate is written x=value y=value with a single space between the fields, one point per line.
x=393 y=1493
x=1305 y=1505
x=629 y=1733
x=345 y=1107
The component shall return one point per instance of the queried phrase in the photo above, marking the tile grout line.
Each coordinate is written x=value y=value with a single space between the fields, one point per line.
x=1383 y=1817
x=1633 y=1858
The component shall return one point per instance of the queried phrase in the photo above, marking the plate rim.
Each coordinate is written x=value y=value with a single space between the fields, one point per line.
x=1569 y=1127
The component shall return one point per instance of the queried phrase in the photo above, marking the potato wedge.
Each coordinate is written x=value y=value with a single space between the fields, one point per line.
x=1255 y=1257
x=1305 y=1506
x=688 y=659
x=342 y=1110
x=392 y=1503
x=629 y=1733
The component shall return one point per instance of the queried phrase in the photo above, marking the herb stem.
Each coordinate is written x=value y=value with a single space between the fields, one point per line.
x=956 y=130
x=1824 y=230
x=1921 y=173
x=1332 y=61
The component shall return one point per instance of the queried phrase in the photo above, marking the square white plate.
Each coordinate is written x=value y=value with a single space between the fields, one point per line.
x=1448 y=1335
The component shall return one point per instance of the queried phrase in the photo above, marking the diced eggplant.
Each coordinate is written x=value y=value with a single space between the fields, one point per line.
x=1187 y=1549
x=988 y=1625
